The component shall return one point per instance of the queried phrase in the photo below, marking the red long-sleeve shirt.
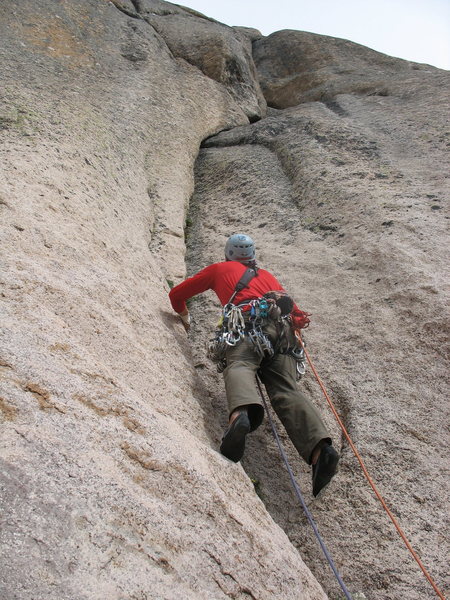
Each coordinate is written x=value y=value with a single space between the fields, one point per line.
x=222 y=278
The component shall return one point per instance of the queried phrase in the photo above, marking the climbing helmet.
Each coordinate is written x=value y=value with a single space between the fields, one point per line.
x=240 y=247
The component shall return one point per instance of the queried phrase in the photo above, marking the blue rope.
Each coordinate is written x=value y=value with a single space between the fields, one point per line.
x=300 y=497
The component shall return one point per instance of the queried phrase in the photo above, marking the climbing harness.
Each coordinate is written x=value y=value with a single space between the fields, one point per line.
x=366 y=473
x=259 y=312
x=299 y=495
x=231 y=326
x=235 y=324
x=231 y=329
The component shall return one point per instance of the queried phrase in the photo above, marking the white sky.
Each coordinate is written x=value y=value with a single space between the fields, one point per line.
x=417 y=30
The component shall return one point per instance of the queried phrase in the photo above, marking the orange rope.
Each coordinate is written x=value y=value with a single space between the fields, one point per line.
x=366 y=473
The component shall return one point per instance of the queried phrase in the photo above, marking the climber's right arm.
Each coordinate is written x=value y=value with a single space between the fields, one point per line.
x=202 y=281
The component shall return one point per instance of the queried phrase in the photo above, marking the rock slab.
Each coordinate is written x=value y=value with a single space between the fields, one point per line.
x=135 y=137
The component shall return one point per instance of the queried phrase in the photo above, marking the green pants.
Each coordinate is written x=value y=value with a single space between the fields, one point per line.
x=298 y=415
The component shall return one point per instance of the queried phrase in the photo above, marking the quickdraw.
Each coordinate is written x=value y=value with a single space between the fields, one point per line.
x=234 y=326
x=260 y=310
x=298 y=353
x=231 y=331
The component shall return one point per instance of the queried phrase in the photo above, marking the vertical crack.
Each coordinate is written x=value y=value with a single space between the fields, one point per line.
x=125 y=10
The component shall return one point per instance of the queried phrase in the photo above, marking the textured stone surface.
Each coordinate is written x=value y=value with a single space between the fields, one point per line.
x=346 y=203
x=111 y=484
x=220 y=52
x=297 y=66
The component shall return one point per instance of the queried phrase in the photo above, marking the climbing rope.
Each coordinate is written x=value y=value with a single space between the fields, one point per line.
x=366 y=473
x=300 y=497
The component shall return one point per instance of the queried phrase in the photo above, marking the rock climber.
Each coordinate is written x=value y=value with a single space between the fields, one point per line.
x=267 y=350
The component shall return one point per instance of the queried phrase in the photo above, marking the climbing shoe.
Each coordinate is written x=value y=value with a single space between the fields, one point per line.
x=233 y=441
x=324 y=469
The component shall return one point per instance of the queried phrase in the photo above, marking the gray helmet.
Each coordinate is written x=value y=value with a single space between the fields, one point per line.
x=240 y=247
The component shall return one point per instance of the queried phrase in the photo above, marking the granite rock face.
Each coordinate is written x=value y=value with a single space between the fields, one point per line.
x=131 y=133
x=222 y=53
x=297 y=66
x=112 y=486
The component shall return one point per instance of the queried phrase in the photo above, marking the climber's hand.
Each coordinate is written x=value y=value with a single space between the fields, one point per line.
x=186 y=319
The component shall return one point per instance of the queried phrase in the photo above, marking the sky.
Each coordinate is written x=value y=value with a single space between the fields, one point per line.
x=416 y=30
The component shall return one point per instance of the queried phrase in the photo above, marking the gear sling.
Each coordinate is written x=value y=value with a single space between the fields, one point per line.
x=233 y=325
